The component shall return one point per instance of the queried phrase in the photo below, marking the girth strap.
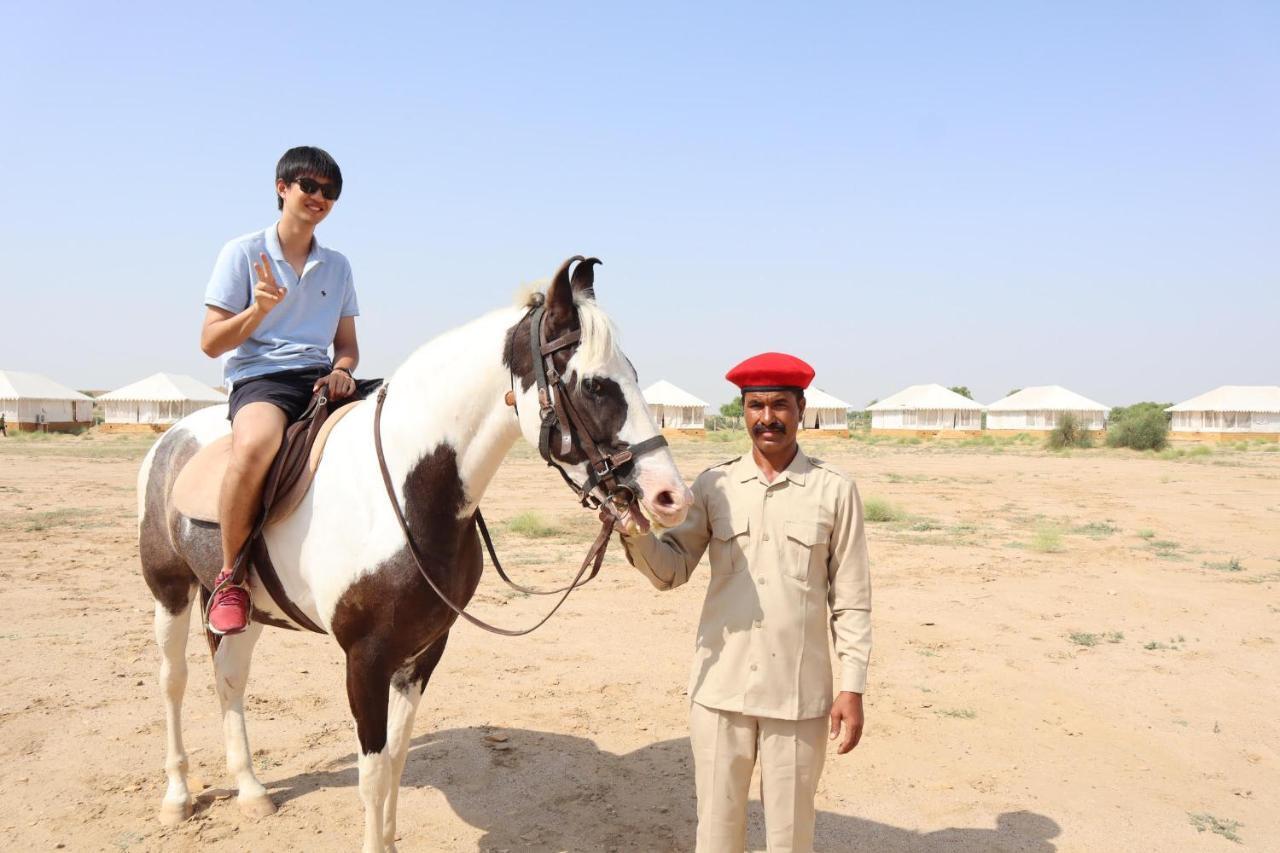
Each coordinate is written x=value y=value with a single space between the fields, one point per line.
x=266 y=571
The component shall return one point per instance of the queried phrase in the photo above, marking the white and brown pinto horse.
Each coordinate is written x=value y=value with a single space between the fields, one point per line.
x=342 y=555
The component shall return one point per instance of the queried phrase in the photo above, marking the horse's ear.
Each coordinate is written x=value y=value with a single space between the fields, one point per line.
x=584 y=278
x=560 y=297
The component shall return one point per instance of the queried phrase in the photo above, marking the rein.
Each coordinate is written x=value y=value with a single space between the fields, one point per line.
x=609 y=483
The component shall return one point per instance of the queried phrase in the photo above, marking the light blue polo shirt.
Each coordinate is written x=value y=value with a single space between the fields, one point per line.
x=299 y=331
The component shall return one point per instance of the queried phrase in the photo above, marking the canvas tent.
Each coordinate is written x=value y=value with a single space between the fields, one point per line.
x=926 y=410
x=825 y=413
x=675 y=409
x=157 y=401
x=1040 y=408
x=1229 y=413
x=33 y=402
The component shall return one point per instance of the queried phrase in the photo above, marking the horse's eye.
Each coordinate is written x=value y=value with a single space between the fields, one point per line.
x=591 y=386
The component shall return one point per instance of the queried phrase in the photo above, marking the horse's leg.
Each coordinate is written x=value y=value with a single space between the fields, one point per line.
x=171 y=636
x=231 y=673
x=407 y=687
x=368 y=692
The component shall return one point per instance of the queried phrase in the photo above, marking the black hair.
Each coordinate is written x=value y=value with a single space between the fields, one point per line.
x=306 y=161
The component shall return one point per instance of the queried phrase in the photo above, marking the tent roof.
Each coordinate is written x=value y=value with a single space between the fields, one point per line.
x=17 y=385
x=663 y=393
x=1041 y=398
x=1233 y=398
x=166 y=387
x=816 y=398
x=931 y=396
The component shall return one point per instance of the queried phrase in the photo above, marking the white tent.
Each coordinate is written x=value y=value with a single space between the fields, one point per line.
x=1040 y=408
x=674 y=408
x=824 y=412
x=31 y=402
x=926 y=408
x=1229 y=411
x=160 y=399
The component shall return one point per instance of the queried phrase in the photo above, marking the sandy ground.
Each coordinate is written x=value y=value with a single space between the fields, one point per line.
x=993 y=724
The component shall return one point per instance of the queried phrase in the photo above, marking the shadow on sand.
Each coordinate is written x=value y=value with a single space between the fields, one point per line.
x=543 y=791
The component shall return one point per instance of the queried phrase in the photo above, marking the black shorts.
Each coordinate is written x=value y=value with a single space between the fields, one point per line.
x=287 y=390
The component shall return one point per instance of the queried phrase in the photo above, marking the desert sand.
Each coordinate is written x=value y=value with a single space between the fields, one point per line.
x=1066 y=658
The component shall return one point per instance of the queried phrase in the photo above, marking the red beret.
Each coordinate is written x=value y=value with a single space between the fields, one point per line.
x=771 y=371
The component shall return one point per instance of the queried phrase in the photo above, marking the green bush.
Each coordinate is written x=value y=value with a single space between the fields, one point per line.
x=1047 y=539
x=879 y=509
x=1069 y=433
x=532 y=525
x=1142 y=426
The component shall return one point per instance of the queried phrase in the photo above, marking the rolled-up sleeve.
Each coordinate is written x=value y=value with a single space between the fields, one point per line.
x=230 y=285
x=849 y=591
x=669 y=558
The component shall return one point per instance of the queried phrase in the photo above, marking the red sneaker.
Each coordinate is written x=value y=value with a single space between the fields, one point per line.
x=229 y=609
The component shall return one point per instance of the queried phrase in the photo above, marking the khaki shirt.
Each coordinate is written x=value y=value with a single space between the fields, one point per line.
x=782 y=553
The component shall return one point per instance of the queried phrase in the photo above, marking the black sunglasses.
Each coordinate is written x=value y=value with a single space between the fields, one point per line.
x=310 y=185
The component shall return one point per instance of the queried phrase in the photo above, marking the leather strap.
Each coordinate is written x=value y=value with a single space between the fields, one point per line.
x=271 y=582
x=493 y=557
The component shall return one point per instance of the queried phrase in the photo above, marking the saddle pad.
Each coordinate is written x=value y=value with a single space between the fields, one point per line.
x=199 y=483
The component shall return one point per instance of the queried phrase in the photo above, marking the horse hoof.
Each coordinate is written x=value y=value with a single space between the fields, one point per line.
x=172 y=814
x=256 y=807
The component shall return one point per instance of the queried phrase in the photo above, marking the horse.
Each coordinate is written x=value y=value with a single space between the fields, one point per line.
x=387 y=529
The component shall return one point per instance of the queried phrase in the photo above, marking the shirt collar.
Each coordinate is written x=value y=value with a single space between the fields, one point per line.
x=746 y=469
x=276 y=251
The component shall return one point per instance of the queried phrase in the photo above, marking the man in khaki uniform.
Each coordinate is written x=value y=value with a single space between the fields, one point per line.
x=788 y=564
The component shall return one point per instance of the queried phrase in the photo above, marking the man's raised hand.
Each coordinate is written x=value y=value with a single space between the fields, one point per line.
x=267 y=294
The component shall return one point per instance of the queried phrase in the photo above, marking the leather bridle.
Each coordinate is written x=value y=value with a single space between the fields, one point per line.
x=610 y=482
x=611 y=476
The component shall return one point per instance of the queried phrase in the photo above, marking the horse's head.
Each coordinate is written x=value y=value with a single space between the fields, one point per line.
x=578 y=400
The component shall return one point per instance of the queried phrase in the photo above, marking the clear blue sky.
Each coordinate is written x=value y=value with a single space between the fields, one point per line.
x=993 y=194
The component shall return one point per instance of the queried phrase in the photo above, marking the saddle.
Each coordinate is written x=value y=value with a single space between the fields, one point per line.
x=199 y=483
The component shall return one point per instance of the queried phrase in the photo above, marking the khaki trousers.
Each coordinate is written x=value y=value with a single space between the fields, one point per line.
x=725 y=745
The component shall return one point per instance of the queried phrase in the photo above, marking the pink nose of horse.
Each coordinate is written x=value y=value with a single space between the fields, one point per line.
x=669 y=506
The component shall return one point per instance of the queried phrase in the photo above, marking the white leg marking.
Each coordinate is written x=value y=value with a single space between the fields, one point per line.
x=375 y=779
x=171 y=636
x=400 y=713
x=231 y=674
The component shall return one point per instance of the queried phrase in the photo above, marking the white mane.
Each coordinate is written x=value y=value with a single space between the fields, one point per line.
x=599 y=342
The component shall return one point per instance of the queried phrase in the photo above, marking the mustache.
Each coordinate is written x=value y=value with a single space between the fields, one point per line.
x=776 y=426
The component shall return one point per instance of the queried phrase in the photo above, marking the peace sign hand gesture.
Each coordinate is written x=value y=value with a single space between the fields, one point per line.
x=266 y=293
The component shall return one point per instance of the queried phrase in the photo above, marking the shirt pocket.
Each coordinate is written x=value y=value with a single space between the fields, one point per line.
x=729 y=539
x=807 y=548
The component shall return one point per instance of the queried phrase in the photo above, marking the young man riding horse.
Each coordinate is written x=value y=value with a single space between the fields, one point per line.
x=408 y=473
x=276 y=302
